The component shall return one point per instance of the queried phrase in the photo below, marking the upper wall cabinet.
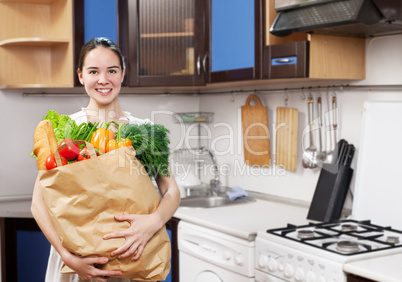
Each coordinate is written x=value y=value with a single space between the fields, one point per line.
x=235 y=40
x=165 y=41
x=320 y=57
x=36 y=43
x=239 y=32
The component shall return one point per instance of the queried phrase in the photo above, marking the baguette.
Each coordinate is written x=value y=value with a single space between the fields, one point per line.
x=45 y=143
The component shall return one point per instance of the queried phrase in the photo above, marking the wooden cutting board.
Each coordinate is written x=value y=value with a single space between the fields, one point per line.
x=287 y=120
x=256 y=139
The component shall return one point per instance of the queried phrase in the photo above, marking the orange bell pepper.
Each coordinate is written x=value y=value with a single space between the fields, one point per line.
x=101 y=137
x=118 y=142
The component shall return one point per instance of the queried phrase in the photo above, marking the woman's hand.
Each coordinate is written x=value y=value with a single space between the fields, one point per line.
x=86 y=267
x=142 y=229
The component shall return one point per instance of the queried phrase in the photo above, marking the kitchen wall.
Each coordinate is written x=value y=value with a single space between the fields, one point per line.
x=384 y=67
x=20 y=114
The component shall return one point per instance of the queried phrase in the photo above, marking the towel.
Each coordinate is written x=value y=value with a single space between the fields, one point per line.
x=236 y=193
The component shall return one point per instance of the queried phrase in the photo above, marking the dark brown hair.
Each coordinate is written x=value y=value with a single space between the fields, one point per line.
x=103 y=42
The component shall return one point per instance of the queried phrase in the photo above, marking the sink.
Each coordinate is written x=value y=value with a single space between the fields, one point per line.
x=213 y=201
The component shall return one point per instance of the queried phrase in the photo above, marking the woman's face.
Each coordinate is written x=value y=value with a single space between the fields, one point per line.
x=102 y=75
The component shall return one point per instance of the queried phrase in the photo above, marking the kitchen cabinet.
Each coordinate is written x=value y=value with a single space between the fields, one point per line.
x=21 y=241
x=164 y=41
x=171 y=227
x=238 y=37
x=36 y=47
x=235 y=40
x=320 y=57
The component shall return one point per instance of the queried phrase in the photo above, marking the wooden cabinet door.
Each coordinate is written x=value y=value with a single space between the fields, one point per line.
x=164 y=41
x=236 y=39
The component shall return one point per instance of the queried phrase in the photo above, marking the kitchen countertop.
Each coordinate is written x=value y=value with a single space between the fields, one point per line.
x=16 y=208
x=386 y=268
x=245 y=220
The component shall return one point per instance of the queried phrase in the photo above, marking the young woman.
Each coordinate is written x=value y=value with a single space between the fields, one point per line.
x=101 y=70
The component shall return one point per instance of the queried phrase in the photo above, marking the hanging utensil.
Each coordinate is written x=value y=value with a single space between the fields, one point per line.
x=309 y=159
x=335 y=117
x=330 y=145
x=321 y=156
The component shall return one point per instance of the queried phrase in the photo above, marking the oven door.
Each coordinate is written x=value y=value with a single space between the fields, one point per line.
x=265 y=277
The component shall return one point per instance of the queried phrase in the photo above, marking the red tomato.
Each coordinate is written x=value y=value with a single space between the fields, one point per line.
x=84 y=154
x=51 y=161
x=70 y=152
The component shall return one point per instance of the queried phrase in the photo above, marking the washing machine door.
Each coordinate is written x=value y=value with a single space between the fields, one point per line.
x=207 y=276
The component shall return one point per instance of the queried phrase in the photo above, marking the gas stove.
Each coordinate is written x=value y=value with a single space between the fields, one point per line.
x=317 y=252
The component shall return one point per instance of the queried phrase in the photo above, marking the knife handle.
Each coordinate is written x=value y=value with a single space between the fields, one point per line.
x=341 y=150
x=349 y=155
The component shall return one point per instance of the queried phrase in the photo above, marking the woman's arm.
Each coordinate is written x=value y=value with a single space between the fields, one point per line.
x=143 y=227
x=84 y=267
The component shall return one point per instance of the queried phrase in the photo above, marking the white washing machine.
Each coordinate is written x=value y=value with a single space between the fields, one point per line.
x=206 y=255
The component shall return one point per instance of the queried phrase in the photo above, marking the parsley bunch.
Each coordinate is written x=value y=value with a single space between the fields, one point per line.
x=151 y=143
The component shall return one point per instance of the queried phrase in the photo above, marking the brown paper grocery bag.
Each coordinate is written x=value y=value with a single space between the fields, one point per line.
x=84 y=197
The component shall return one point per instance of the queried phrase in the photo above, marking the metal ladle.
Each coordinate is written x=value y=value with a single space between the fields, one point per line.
x=310 y=154
x=321 y=155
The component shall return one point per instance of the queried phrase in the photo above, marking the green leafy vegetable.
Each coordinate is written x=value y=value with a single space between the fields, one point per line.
x=84 y=131
x=63 y=125
x=66 y=128
x=151 y=143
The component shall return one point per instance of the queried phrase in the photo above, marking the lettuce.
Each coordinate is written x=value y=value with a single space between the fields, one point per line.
x=63 y=125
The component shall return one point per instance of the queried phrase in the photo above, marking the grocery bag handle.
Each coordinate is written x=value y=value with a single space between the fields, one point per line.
x=90 y=147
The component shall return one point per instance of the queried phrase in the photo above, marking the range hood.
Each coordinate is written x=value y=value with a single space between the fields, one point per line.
x=360 y=18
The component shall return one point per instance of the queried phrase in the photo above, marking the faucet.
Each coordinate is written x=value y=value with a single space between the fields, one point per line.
x=215 y=183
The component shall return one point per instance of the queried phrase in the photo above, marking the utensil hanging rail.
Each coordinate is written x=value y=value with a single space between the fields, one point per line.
x=397 y=87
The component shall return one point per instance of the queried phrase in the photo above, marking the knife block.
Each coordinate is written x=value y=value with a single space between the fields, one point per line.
x=330 y=193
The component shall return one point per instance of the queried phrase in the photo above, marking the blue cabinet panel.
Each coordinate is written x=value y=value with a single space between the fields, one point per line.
x=233 y=34
x=32 y=255
x=169 y=277
x=100 y=19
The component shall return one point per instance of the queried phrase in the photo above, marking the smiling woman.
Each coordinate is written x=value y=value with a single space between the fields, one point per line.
x=101 y=70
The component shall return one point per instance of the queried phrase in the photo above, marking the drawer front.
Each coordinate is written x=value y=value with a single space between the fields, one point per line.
x=288 y=60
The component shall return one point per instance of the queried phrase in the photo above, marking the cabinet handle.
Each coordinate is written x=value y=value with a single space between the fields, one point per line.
x=284 y=61
x=204 y=62
x=291 y=60
x=199 y=66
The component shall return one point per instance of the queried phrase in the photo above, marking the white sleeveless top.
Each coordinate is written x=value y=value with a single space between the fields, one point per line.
x=81 y=117
x=55 y=262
